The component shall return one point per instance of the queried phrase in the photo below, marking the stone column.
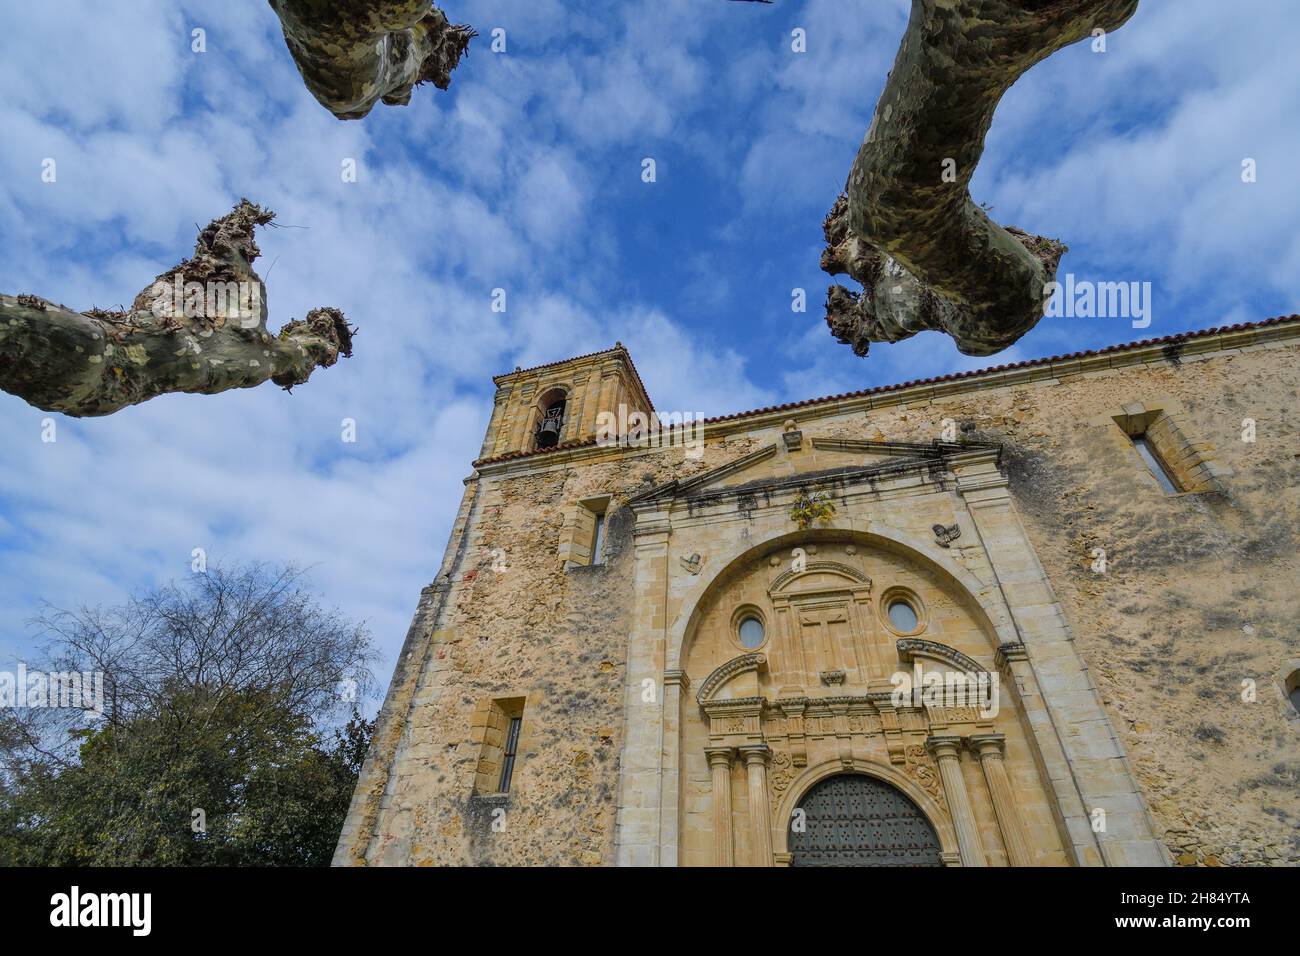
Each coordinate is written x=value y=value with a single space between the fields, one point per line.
x=604 y=389
x=989 y=749
x=760 y=815
x=522 y=399
x=676 y=686
x=1085 y=766
x=720 y=766
x=638 y=833
x=492 y=438
x=946 y=750
x=575 y=410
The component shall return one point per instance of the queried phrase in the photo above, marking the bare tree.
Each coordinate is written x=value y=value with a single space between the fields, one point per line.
x=240 y=630
x=199 y=327
x=353 y=54
x=224 y=631
x=906 y=228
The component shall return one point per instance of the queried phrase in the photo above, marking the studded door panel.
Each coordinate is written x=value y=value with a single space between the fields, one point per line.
x=855 y=820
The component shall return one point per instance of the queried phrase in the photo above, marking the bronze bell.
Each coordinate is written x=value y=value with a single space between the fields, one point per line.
x=548 y=430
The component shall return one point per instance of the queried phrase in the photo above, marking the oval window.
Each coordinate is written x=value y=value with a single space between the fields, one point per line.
x=751 y=633
x=902 y=616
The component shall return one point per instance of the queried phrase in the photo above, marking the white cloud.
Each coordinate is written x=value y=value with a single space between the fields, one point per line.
x=88 y=65
x=411 y=252
x=513 y=180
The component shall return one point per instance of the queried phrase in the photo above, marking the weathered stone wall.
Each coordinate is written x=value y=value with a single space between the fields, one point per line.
x=517 y=623
x=1199 y=593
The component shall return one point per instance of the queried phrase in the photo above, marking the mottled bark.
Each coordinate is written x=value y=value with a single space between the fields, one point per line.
x=191 y=330
x=354 y=53
x=927 y=256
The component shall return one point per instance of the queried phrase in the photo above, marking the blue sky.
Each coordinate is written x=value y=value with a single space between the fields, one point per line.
x=526 y=175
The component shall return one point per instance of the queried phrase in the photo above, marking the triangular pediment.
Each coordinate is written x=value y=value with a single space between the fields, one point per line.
x=824 y=459
x=706 y=480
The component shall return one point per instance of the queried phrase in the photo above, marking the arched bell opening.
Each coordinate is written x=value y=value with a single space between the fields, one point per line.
x=551 y=417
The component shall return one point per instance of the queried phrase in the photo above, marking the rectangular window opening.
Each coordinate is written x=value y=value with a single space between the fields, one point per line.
x=1147 y=452
x=499 y=727
x=508 y=754
x=598 y=540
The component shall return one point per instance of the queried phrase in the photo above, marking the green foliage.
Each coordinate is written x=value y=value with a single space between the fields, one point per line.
x=218 y=745
x=238 y=781
x=810 y=507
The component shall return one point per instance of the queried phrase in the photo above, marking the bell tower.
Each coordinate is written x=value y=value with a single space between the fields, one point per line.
x=547 y=406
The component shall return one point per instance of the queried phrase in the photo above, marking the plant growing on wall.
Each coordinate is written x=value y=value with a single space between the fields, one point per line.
x=812 y=506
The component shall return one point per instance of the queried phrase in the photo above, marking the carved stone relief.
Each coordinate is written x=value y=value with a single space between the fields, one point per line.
x=918 y=767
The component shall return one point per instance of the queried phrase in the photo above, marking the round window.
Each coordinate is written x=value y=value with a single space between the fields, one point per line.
x=902 y=615
x=751 y=632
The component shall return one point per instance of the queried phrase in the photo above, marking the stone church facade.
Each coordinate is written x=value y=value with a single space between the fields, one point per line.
x=1042 y=614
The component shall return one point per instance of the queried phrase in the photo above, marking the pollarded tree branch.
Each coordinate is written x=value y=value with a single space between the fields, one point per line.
x=199 y=327
x=353 y=53
x=907 y=229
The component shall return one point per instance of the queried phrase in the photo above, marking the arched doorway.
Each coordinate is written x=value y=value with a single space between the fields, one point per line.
x=854 y=820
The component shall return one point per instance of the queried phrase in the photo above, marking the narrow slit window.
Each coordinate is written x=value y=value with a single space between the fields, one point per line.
x=508 y=756
x=598 y=540
x=1157 y=467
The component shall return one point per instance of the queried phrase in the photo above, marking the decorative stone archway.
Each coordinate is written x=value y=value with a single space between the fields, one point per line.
x=666 y=781
x=993 y=612
x=818 y=691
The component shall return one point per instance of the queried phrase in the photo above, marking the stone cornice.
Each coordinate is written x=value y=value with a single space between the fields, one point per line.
x=682 y=487
x=788 y=575
x=737 y=705
x=1049 y=370
x=824 y=706
x=849 y=476
x=911 y=647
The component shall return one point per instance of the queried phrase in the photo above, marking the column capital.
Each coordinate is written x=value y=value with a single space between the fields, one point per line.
x=754 y=754
x=1011 y=651
x=943 y=747
x=987 y=746
x=719 y=756
x=677 y=678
